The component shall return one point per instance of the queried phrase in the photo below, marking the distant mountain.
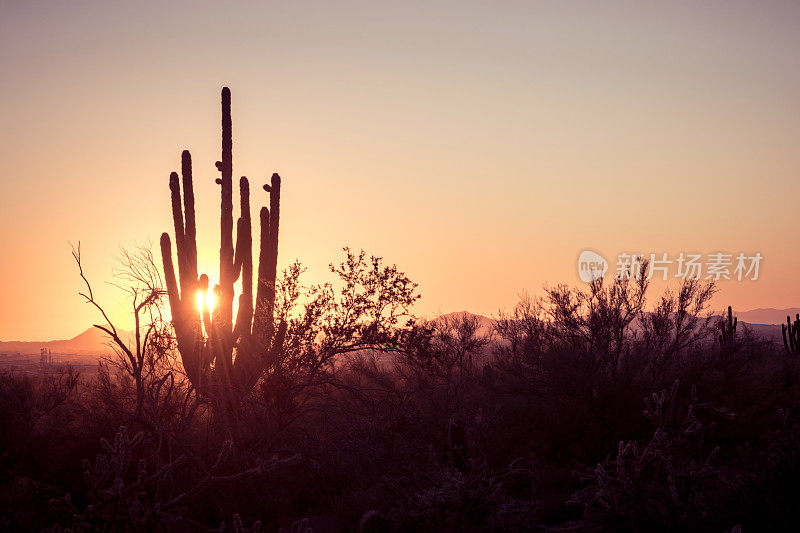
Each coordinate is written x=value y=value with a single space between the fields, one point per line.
x=761 y=325
x=770 y=332
x=767 y=315
x=764 y=322
x=90 y=342
x=485 y=324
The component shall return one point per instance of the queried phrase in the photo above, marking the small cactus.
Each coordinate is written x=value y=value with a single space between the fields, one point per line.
x=791 y=335
x=727 y=336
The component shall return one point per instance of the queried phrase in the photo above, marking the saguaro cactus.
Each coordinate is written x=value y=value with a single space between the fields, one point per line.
x=791 y=335
x=218 y=354
x=727 y=336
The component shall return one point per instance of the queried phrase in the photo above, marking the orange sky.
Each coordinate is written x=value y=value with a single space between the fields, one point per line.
x=480 y=146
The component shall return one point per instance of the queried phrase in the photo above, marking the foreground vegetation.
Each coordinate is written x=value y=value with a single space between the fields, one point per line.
x=575 y=412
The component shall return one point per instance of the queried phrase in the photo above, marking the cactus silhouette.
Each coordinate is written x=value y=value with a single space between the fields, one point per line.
x=791 y=335
x=727 y=336
x=218 y=354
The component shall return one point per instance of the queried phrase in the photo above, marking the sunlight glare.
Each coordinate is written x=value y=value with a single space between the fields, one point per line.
x=206 y=298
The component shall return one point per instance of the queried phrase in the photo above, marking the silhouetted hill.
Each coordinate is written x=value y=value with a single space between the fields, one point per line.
x=767 y=331
x=763 y=322
x=768 y=315
x=90 y=342
x=768 y=327
x=486 y=324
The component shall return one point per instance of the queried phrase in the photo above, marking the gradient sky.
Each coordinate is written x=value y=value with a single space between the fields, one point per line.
x=481 y=146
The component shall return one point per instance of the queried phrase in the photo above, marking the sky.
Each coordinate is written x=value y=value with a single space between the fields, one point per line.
x=480 y=146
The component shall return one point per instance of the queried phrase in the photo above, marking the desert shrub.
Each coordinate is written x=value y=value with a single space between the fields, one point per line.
x=579 y=411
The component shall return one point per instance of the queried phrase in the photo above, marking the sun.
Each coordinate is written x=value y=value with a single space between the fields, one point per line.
x=205 y=298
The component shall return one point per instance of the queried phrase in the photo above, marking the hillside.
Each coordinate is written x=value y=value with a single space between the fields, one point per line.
x=90 y=342
x=768 y=315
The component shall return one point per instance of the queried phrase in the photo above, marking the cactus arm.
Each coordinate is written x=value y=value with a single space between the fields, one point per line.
x=190 y=229
x=260 y=327
x=244 y=249
x=237 y=254
x=264 y=327
x=169 y=279
x=189 y=344
x=785 y=343
x=246 y=253
x=206 y=312
x=188 y=256
x=272 y=257
x=796 y=336
x=177 y=219
x=216 y=313
x=274 y=220
x=244 y=237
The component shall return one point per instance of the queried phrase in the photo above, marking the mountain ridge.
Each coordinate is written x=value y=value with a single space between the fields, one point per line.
x=763 y=320
x=88 y=342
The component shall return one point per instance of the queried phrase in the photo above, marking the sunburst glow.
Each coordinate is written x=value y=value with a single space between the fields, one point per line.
x=205 y=298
